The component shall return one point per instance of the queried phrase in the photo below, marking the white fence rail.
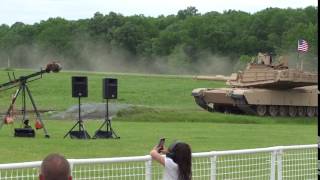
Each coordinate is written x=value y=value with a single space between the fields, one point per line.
x=273 y=163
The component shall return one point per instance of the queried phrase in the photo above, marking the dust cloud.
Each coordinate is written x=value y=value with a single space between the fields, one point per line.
x=308 y=63
x=102 y=57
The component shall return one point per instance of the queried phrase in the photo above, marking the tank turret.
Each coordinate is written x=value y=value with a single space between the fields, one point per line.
x=261 y=73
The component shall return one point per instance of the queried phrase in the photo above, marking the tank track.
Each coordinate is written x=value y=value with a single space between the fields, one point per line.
x=242 y=107
x=203 y=104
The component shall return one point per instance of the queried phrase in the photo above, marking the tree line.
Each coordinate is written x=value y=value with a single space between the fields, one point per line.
x=181 y=40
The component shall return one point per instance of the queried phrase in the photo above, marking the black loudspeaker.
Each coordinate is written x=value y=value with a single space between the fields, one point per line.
x=109 y=88
x=24 y=132
x=79 y=86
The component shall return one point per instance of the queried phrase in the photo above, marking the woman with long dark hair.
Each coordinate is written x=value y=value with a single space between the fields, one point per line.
x=177 y=162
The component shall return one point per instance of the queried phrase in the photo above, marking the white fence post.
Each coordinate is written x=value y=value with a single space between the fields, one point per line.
x=71 y=167
x=213 y=167
x=273 y=165
x=279 y=163
x=148 y=169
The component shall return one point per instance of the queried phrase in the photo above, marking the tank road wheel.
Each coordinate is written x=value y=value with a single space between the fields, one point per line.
x=273 y=111
x=301 y=111
x=283 y=110
x=311 y=111
x=219 y=108
x=261 y=110
x=292 y=110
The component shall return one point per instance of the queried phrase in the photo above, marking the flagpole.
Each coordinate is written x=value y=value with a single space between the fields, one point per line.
x=297 y=65
x=302 y=64
x=298 y=60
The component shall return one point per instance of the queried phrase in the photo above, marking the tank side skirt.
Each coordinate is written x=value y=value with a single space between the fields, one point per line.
x=284 y=98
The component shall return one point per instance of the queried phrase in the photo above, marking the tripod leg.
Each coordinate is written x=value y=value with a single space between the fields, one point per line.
x=112 y=131
x=82 y=129
x=11 y=106
x=109 y=127
x=24 y=107
x=116 y=136
x=103 y=124
x=71 y=130
x=37 y=112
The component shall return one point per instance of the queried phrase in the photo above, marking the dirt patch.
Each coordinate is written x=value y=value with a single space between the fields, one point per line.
x=90 y=111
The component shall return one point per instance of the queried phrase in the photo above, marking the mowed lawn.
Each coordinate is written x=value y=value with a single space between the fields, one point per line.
x=137 y=138
x=164 y=107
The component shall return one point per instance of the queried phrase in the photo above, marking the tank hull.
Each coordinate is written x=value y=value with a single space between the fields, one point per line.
x=301 y=101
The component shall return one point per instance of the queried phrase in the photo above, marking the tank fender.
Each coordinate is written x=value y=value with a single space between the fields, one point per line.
x=198 y=91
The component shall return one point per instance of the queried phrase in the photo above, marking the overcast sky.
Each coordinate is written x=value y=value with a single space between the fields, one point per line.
x=31 y=11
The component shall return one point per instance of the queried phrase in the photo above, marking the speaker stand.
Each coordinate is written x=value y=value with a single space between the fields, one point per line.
x=108 y=132
x=82 y=133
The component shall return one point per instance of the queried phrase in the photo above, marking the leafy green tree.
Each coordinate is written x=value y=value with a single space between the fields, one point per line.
x=178 y=40
x=190 y=11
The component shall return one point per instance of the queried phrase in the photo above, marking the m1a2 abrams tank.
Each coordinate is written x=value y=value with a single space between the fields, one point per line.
x=264 y=88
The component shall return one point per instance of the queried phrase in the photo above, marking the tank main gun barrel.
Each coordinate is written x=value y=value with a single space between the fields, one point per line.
x=212 y=78
x=50 y=67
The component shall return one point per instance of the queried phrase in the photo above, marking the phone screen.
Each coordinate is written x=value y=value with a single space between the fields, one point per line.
x=161 y=142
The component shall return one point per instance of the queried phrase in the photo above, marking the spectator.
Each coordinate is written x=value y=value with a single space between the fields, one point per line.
x=177 y=162
x=55 y=167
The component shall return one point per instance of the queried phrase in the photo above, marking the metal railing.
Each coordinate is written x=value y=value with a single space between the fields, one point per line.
x=273 y=163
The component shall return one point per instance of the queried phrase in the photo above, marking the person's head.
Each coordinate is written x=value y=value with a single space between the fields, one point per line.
x=55 y=167
x=180 y=153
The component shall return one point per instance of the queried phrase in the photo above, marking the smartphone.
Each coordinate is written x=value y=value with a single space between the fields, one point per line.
x=161 y=143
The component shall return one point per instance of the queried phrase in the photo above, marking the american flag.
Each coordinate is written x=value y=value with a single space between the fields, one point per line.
x=302 y=45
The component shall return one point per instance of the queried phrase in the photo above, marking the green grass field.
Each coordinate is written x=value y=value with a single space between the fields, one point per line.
x=164 y=107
